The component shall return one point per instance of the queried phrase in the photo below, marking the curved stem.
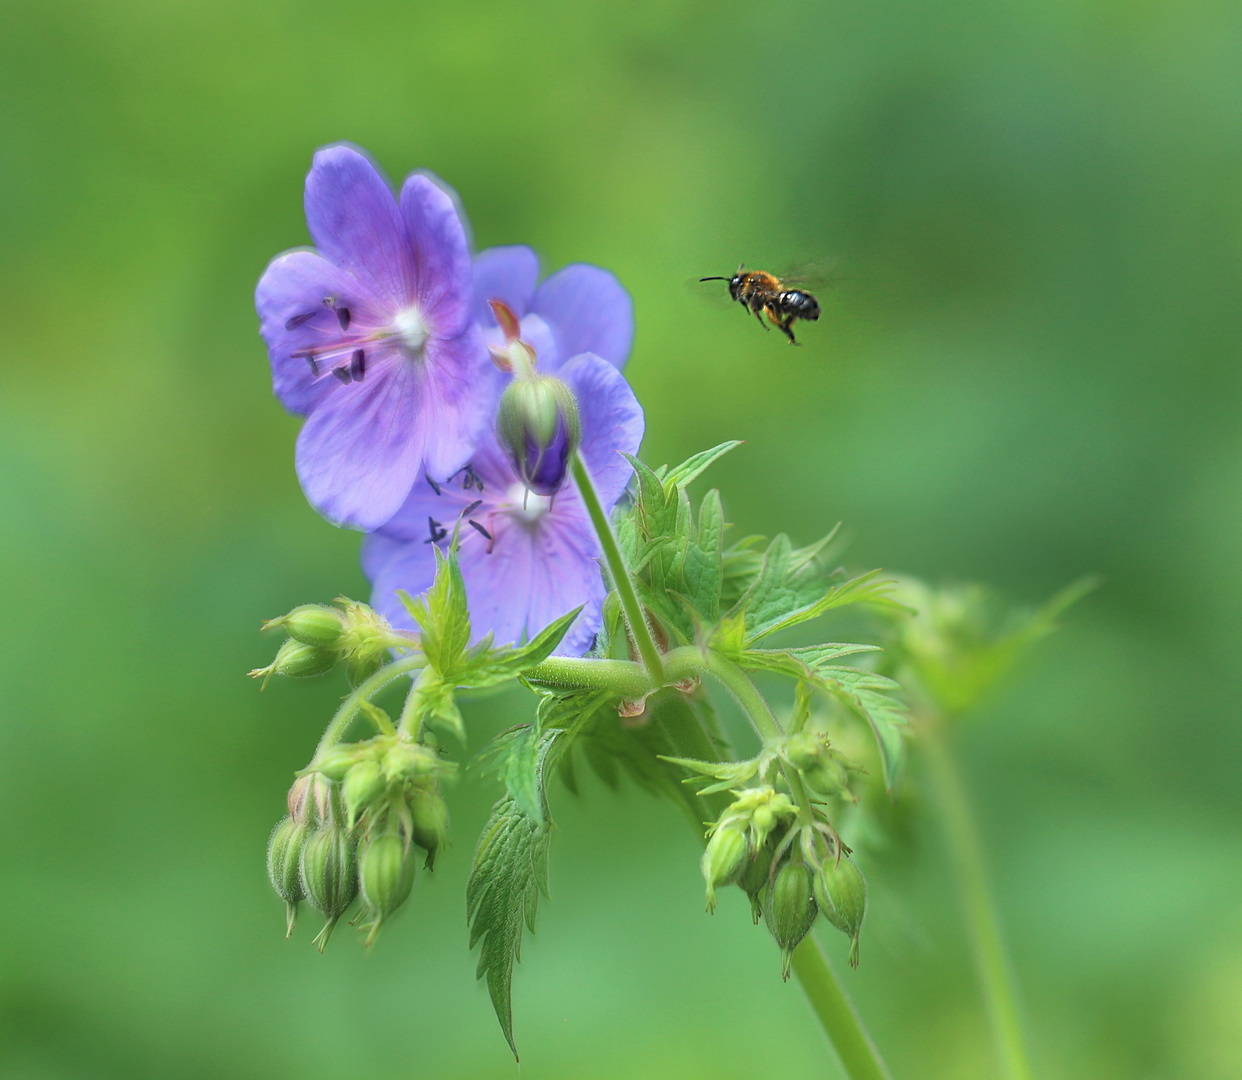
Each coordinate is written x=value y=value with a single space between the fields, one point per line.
x=836 y=1013
x=637 y=622
x=339 y=723
x=982 y=923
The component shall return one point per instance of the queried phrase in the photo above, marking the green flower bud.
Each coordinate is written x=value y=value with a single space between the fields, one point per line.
x=364 y=784
x=430 y=815
x=754 y=879
x=841 y=891
x=312 y=624
x=337 y=760
x=299 y=660
x=329 y=875
x=359 y=668
x=538 y=425
x=725 y=858
x=803 y=749
x=828 y=776
x=284 y=853
x=400 y=760
x=313 y=799
x=790 y=911
x=386 y=871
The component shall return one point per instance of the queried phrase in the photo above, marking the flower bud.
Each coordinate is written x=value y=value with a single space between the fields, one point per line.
x=754 y=879
x=802 y=750
x=312 y=624
x=337 y=760
x=841 y=891
x=538 y=425
x=284 y=852
x=364 y=783
x=726 y=856
x=297 y=659
x=329 y=875
x=430 y=815
x=312 y=799
x=386 y=871
x=790 y=911
x=400 y=760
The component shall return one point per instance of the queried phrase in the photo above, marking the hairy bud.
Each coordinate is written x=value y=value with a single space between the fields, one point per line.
x=386 y=872
x=841 y=891
x=790 y=911
x=337 y=760
x=538 y=425
x=430 y=815
x=727 y=854
x=312 y=624
x=364 y=784
x=329 y=875
x=298 y=660
x=284 y=853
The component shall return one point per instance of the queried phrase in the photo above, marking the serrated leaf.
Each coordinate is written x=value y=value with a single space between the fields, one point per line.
x=485 y=666
x=513 y=757
x=703 y=565
x=726 y=774
x=441 y=614
x=688 y=470
x=799 y=663
x=435 y=706
x=508 y=874
x=870 y=696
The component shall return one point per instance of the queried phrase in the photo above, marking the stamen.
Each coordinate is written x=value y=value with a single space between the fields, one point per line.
x=310 y=359
x=342 y=374
x=342 y=316
x=480 y=528
x=437 y=533
x=434 y=486
x=358 y=365
x=468 y=510
x=298 y=320
x=470 y=480
x=329 y=302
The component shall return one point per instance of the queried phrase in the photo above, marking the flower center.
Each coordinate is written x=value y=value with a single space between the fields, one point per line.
x=411 y=330
x=526 y=505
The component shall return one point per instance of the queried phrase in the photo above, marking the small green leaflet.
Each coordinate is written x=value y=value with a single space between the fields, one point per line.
x=726 y=774
x=441 y=614
x=689 y=470
x=509 y=871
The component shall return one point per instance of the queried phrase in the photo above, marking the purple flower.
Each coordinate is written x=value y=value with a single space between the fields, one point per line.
x=578 y=309
x=526 y=559
x=371 y=338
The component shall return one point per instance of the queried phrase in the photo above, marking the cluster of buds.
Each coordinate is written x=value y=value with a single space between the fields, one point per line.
x=320 y=637
x=824 y=770
x=791 y=869
x=355 y=816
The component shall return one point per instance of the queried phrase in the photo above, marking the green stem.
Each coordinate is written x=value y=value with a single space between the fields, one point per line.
x=623 y=677
x=983 y=925
x=836 y=1013
x=637 y=622
x=339 y=723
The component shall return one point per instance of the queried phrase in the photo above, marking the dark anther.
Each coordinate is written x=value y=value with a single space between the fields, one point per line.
x=298 y=320
x=470 y=480
x=358 y=365
x=467 y=511
x=434 y=486
x=437 y=532
x=342 y=374
x=480 y=528
x=342 y=316
x=310 y=359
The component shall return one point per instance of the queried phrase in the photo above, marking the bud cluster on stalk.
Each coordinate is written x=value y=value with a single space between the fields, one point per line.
x=320 y=637
x=356 y=814
x=792 y=869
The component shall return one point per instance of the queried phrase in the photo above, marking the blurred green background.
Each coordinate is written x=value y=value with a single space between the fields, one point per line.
x=1029 y=370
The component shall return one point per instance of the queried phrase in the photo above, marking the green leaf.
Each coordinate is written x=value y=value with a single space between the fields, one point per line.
x=509 y=871
x=513 y=756
x=441 y=614
x=435 y=706
x=727 y=774
x=800 y=663
x=688 y=470
x=870 y=696
x=702 y=571
x=486 y=666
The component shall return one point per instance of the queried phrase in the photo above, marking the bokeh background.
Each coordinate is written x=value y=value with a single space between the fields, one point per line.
x=1028 y=370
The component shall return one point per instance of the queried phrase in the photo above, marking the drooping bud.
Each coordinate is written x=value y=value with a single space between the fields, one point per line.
x=386 y=871
x=841 y=892
x=754 y=879
x=538 y=425
x=364 y=783
x=284 y=853
x=724 y=859
x=313 y=799
x=337 y=760
x=299 y=660
x=366 y=639
x=312 y=624
x=430 y=816
x=790 y=911
x=329 y=875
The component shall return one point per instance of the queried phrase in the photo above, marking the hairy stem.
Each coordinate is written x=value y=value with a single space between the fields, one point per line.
x=992 y=969
x=339 y=723
x=634 y=618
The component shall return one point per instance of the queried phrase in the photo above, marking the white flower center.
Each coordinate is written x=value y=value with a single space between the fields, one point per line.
x=527 y=506
x=412 y=331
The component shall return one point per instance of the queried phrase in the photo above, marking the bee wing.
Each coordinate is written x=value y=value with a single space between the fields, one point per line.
x=812 y=274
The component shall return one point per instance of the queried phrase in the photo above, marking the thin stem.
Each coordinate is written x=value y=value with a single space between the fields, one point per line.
x=982 y=922
x=836 y=1013
x=339 y=723
x=639 y=630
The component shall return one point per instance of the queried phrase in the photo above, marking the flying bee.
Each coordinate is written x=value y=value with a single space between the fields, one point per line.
x=765 y=294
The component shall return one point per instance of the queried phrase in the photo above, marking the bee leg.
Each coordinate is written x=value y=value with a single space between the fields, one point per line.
x=759 y=315
x=786 y=329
